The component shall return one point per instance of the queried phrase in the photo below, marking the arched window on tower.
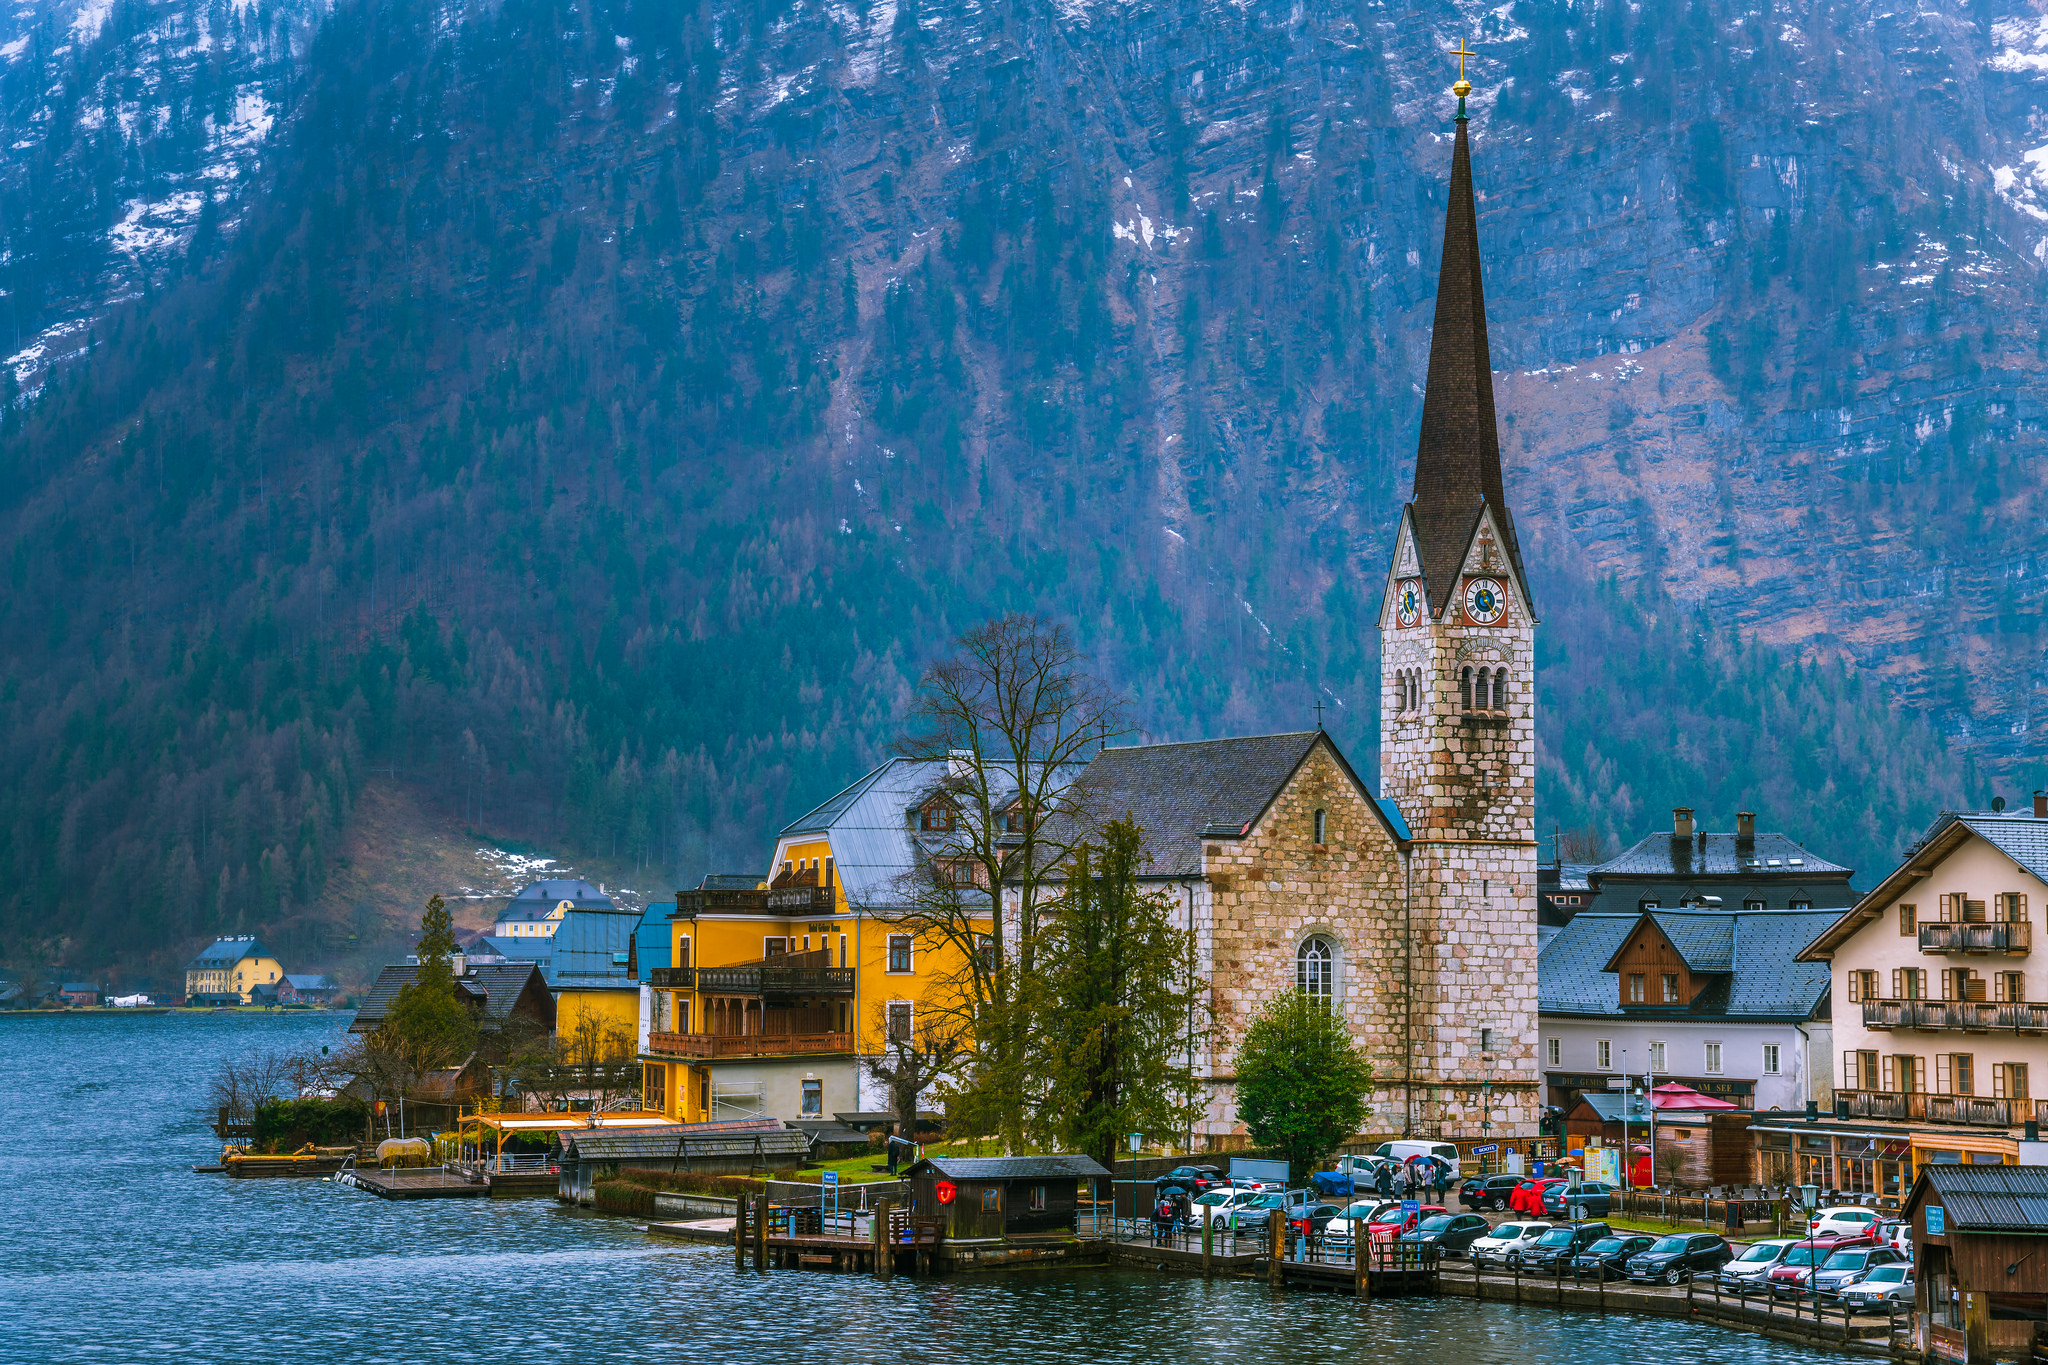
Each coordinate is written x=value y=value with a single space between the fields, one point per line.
x=1315 y=968
x=1481 y=689
x=1500 y=689
x=1465 y=688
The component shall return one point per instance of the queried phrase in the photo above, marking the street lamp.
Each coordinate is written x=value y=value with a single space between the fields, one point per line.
x=1809 y=1199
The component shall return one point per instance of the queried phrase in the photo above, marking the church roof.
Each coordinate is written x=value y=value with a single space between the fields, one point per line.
x=1180 y=794
x=1457 y=454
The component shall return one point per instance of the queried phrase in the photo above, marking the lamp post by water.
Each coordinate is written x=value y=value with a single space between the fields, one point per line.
x=1809 y=1199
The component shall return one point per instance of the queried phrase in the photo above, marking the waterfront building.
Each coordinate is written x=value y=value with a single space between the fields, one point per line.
x=1940 y=1010
x=1980 y=1283
x=228 y=970
x=779 y=986
x=589 y=968
x=1002 y=1199
x=537 y=909
x=301 y=989
x=1711 y=999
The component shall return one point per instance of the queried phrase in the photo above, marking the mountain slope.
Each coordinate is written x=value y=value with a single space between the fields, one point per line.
x=597 y=413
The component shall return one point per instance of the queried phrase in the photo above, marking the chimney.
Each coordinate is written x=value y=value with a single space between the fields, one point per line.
x=1681 y=822
x=458 y=963
x=2041 y=805
x=1745 y=824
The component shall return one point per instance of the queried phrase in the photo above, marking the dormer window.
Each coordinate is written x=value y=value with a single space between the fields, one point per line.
x=936 y=818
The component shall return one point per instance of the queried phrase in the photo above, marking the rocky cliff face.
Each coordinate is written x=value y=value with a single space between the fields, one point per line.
x=596 y=411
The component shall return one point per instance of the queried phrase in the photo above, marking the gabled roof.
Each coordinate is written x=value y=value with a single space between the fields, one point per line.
x=537 y=900
x=2021 y=838
x=727 y=881
x=310 y=983
x=1704 y=854
x=651 y=943
x=764 y=1137
x=1181 y=794
x=2006 y=1199
x=1060 y=1167
x=496 y=987
x=1574 y=973
x=226 y=952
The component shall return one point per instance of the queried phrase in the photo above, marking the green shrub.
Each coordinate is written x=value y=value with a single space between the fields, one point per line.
x=287 y=1125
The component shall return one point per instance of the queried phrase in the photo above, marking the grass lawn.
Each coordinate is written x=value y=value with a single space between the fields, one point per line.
x=855 y=1170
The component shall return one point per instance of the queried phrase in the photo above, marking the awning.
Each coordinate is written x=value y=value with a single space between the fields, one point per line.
x=1965 y=1142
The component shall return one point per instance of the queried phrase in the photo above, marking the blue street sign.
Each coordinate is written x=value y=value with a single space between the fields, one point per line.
x=1409 y=1208
x=1489 y=1147
x=831 y=1178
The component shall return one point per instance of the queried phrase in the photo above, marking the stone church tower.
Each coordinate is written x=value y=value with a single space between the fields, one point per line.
x=1457 y=727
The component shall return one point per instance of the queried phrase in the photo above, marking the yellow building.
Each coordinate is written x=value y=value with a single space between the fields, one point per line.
x=537 y=911
x=781 y=985
x=229 y=970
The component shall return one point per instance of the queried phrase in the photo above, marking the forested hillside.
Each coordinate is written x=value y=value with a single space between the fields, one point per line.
x=593 y=414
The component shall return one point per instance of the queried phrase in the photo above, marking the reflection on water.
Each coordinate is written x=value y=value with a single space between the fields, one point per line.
x=111 y=1249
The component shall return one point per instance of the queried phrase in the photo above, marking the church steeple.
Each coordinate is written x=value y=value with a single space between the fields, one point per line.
x=1457 y=458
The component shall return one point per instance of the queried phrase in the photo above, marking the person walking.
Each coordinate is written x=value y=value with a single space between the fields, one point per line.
x=1443 y=1177
x=1383 y=1180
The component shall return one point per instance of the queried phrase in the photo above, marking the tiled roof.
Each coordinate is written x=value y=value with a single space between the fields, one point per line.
x=311 y=983
x=1063 y=1167
x=2021 y=838
x=501 y=985
x=1215 y=788
x=1718 y=855
x=767 y=1137
x=1760 y=981
x=591 y=947
x=562 y=890
x=226 y=952
x=1989 y=1198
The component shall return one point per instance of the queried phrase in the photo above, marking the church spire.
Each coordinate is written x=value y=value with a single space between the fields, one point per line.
x=1457 y=458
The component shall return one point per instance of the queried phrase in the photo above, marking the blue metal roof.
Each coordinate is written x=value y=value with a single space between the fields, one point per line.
x=590 y=948
x=651 y=943
x=226 y=952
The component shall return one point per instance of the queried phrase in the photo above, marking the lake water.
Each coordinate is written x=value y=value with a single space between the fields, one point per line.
x=112 y=1250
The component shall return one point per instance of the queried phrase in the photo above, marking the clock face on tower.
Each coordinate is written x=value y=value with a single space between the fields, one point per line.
x=1408 y=602
x=1485 y=601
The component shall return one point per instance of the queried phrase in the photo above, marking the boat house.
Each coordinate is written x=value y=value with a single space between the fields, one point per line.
x=1000 y=1199
x=1982 y=1282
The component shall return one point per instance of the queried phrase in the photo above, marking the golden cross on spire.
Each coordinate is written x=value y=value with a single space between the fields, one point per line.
x=1461 y=54
x=1463 y=87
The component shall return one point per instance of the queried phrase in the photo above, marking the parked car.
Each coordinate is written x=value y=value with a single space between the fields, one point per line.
x=1350 y=1176
x=1506 y=1243
x=1194 y=1179
x=1488 y=1192
x=1218 y=1205
x=1790 y=1275
x=1406 y=1150
x=1897 y=1235
x=1360 y=1214
x=1608 y=1258
x=1597 y=1196
x=1845 y=1267
x=1679 y=1257
x=1751 y=1270
x=1843 y=1222
x=1557 y=1246
x=1886 y=1287
x=1528 y=1196
x=1452 y=1234
x=1310 y=1220
x=1260 y=1209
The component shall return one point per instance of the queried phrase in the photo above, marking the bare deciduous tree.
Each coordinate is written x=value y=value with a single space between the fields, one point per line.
x=917 y=1054
x=1006 y=722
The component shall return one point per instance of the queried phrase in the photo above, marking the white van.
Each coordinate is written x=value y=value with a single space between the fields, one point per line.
x=1406 y=1148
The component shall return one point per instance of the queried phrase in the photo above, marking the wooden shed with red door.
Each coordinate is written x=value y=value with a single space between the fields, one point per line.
x=1001 y=1198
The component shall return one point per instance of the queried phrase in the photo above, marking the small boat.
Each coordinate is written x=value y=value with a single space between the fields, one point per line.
x=307 y=1161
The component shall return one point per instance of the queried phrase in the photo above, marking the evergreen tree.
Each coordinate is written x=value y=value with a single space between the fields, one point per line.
x=426 y=1025
x=1301 y=1081
x=1116 y=1005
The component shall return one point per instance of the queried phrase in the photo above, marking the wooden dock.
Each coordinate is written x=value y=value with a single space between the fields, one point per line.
x=427 y=1182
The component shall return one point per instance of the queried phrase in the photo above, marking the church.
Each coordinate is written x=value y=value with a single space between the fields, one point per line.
x=1413 y=910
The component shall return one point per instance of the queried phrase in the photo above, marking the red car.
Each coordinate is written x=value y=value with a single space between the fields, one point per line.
x=1528 y=1196
x=1390 y=1223
x=1793 y=1275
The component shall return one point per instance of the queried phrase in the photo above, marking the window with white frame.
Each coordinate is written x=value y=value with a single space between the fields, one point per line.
x=1315 y=968
x=1657 y=1057
x=1770 y=1059
x=1713 y=1061
x=1553 y=1052
x=1603 y=1051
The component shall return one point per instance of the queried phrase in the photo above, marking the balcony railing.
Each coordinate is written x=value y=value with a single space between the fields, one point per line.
x=2022 y=1018
x=802 y=900
x=767 y=979
x=714 y=1046
x=2013 y=939
x=1974 y=1110
x=1933 y=1016
x=673 y=978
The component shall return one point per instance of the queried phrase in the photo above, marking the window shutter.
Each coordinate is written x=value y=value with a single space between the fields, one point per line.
x=1949 y=914
x=1849 y=1077
x=1919 y=983
x=1919 y=1075
x=1941 y=1073
x=1890 y=1069
x=1973 y=912
x=1998 y=1081
x=1898 y=983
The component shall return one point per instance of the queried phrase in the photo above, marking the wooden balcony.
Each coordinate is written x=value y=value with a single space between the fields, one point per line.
x=2023 y=1018
x=729 y=1046
x=1974 y=1110
x=673 y=978
x=2011 y=939
x=786 y=974
x=1934 y=1016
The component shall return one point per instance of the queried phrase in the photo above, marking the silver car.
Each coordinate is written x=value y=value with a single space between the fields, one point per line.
x=1886 y=1287
x=1747 y=1271
x=1849 y=1266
